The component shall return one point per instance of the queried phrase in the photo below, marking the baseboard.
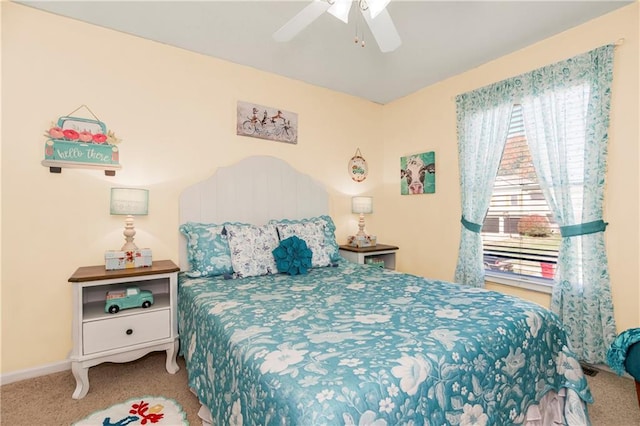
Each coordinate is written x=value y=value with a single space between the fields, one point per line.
x=30 y=373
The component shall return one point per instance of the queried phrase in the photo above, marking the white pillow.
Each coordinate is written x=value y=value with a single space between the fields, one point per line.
x=251 y=249
x=312 y=234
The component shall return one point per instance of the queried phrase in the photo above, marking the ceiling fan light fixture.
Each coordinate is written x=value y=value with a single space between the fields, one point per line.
x=377 y=6
x=340 y=9
x=382 y=28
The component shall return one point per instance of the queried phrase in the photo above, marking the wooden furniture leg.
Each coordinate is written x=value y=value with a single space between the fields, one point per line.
x=81 y=375
x=171 y=363
x=638 y=391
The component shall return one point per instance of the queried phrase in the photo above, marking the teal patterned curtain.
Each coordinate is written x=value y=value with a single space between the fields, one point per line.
x=566 y=116
x=483 y=124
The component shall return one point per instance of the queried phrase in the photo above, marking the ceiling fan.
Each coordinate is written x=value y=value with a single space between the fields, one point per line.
x=373 y=11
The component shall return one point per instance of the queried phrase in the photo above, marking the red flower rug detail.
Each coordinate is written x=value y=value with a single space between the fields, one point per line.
x=147 y=410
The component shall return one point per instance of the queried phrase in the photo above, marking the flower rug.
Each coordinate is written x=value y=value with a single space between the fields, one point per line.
x=146 y=410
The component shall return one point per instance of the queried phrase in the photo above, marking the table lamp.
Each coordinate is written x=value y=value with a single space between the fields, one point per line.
x=361 y=205
x=130 y=202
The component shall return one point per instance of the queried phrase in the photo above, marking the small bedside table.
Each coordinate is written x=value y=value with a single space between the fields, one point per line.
x=379 y=251
x=130 y=333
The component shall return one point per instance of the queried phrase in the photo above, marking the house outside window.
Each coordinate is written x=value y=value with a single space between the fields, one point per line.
x=520 y=237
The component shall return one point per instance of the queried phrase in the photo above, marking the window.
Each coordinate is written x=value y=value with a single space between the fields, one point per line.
x=520 y=237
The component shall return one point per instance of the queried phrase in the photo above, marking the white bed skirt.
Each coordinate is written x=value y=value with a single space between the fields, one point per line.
x=549 y=411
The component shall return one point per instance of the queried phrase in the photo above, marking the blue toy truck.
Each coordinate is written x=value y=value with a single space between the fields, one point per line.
x=131 y=297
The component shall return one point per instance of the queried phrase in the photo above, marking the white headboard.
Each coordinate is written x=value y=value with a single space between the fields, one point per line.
x=254 y=190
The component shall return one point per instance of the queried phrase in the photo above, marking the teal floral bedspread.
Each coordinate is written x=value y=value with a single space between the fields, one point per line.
x=360 y=345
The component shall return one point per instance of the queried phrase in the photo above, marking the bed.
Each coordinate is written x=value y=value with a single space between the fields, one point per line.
x=343 y=343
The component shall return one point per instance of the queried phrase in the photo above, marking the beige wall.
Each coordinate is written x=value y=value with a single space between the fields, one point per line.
x=175 y=112
x=425 y=121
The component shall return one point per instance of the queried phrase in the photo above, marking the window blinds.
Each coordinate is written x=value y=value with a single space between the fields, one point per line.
x=519 y=233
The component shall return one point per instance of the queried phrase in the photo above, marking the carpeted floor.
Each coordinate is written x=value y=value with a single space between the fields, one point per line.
x=46 y=401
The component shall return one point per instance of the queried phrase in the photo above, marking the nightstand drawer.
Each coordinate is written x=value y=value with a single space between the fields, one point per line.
x=113 y=333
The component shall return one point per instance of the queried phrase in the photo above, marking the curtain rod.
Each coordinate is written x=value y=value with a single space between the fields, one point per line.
x=616 y=43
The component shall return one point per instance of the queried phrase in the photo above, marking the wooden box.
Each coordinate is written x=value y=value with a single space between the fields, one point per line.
x=355 y=241
x=117 y=259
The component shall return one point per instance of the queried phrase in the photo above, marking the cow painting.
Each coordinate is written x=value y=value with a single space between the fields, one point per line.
x=418 y=174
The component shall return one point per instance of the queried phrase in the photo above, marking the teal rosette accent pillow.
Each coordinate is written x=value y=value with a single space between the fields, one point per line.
x=292 y=256
x=624 y=353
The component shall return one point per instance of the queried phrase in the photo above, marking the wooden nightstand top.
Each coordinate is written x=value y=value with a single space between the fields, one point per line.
x=377 y=247
x=98 y=272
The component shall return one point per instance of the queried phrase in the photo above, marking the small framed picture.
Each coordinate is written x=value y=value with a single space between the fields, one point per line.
x=258 y=121
x=418 y=174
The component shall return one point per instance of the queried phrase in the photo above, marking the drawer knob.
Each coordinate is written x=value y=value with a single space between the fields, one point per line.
x=129 y=332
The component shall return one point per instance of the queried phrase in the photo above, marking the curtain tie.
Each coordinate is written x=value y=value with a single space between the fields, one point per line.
x=473 y=227
x=583 y=228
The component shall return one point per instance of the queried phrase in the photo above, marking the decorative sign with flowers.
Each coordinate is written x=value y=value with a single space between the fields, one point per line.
x=81 y=143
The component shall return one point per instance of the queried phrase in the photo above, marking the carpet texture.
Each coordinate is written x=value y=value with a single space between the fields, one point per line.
x=145 y=410
x=47 y=400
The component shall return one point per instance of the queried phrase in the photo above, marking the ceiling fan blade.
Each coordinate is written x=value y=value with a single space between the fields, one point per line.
x=377 y=6
x=384 y=31
x=340 y=10
x=305 y=17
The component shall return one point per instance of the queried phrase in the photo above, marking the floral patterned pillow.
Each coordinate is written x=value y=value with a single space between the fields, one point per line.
x=207 y=249
x=313 y=234
x=328 y=227
x=252 y=249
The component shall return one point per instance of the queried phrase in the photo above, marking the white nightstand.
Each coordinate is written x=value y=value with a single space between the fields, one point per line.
x=130 y=333
x=363 y=255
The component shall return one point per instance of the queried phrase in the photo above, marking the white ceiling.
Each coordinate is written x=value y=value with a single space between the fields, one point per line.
x=439 y=38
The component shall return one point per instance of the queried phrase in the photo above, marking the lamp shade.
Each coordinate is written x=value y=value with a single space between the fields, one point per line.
x=363 y=205
x=129 y=201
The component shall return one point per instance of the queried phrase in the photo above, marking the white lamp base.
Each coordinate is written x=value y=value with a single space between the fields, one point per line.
x=361 y=232
x=129 y=232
